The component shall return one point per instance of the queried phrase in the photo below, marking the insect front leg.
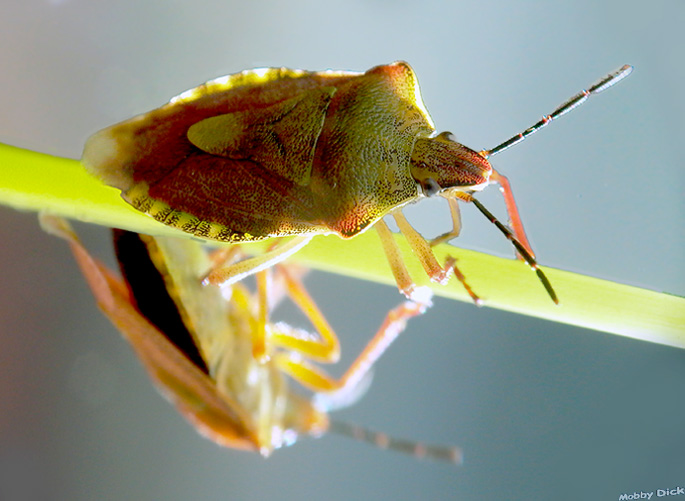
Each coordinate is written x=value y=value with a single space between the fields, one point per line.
x=220 y=257
x=455 y=213
x=512 y=211
x=451 y=265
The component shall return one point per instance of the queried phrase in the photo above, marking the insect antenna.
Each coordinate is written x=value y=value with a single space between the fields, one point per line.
x=381 y=440
x=599 y=86
x=527 y=256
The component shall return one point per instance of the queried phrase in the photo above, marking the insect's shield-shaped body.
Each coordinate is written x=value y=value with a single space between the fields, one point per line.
x=276 y=152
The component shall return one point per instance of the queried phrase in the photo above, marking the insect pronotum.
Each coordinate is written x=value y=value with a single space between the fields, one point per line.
x=198 y=346
x=276 y=152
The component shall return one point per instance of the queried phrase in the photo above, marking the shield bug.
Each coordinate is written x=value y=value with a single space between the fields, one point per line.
x=197 y=346
x=276 y=152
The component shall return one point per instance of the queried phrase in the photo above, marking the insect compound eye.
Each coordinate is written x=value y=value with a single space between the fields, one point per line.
x=430 y=187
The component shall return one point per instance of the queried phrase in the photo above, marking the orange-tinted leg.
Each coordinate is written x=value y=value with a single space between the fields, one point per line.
x=325 y=349
x=512 y=210
x=455 y=213
x=421 y=249
x=392 y=253
x=318 y=380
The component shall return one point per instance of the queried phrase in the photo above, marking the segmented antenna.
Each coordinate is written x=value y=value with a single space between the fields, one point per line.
x=381 y=440
x=527 y=256
x=599 y=86
x=575 y=101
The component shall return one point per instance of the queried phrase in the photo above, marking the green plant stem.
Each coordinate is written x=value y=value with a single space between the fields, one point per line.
x=39 y=182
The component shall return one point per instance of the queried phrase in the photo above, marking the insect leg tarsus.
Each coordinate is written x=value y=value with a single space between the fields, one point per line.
x=451 y=264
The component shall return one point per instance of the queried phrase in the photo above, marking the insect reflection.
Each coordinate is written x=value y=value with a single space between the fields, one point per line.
x=199 y=347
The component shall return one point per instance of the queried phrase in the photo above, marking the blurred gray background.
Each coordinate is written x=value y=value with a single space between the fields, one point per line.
x=542 y=410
